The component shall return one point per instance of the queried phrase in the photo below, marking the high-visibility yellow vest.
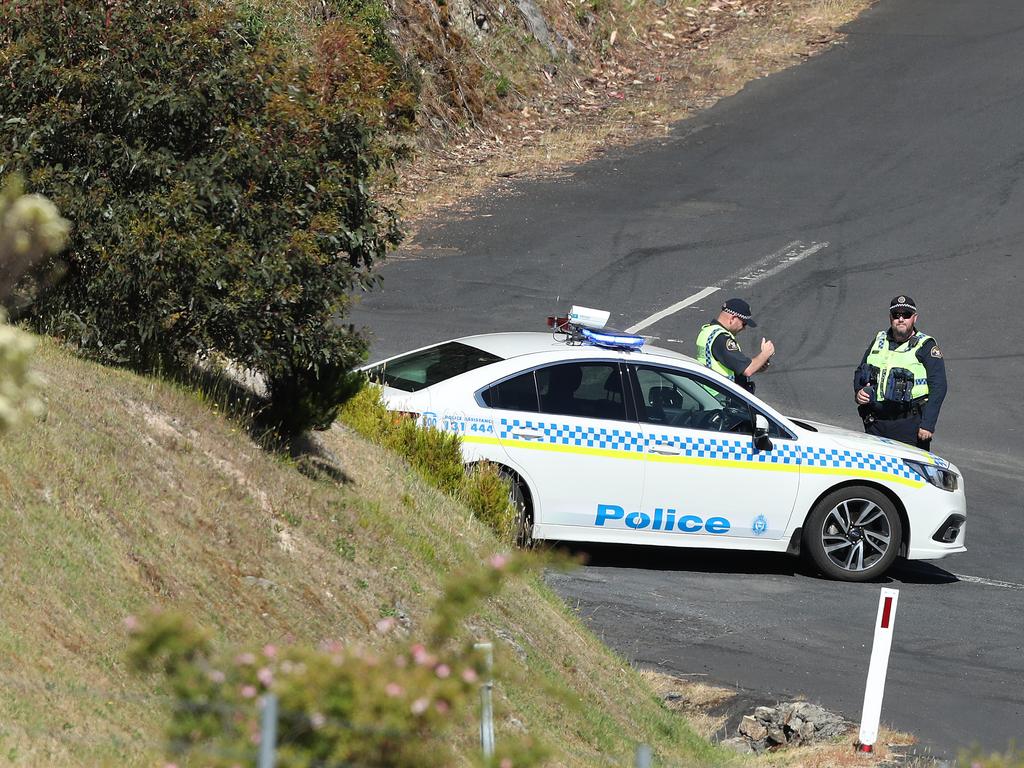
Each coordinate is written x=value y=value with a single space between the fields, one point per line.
x=896 y=367
x=706 y=337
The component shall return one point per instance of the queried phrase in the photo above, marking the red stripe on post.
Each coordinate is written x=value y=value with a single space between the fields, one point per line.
x=885 y=612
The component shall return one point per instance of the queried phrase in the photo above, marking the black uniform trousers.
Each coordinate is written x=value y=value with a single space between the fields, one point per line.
x=901 y=427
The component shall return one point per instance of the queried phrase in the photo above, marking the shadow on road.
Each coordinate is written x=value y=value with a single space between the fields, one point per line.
x=918 y=572
x=734 y=562
x=684 y=559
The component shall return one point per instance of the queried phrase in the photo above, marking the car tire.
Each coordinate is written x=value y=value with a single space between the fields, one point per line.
x=853 y=534
x=524 y=515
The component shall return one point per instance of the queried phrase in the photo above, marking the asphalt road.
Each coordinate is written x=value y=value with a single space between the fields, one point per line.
x=889 y=165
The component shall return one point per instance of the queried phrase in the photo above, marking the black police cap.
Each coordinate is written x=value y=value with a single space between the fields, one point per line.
x=902 y=302
x=741 y=309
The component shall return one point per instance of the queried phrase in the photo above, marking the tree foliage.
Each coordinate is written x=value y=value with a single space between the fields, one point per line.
x=220 y=188
x=30 y=229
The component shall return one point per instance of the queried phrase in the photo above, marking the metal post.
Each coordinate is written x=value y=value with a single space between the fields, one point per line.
x=643 y=756
x=486 y=709
x=268 y=730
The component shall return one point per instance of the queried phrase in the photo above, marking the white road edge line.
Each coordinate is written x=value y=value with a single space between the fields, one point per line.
x=988 y=582
x=673 y=309
x=790 y=254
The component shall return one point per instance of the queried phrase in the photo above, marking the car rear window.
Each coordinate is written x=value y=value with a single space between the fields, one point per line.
x=422 y=369
x=516 y=394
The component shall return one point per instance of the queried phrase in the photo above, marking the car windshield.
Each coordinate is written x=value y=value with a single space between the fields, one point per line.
x=422 y=369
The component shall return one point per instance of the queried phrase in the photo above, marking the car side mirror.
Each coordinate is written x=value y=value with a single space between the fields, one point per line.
x=761 y=440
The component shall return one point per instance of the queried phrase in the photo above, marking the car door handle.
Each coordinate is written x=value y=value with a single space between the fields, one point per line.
x=665 y=449
x=528 y=434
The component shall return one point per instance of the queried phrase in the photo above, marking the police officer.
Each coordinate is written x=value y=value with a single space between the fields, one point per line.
x=718 y=349
x=900 y=383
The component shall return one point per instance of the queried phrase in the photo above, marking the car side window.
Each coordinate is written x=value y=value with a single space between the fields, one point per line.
x=516 y=394
x=676 y=399
x=588 y=389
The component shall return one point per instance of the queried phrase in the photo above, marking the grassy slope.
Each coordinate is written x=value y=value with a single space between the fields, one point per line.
x=134 y=492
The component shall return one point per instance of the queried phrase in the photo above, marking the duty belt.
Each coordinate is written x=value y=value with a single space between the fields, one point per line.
x=891 y=413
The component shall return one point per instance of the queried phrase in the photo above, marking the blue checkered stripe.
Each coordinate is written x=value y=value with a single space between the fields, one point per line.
x=784 y=453
x=628 y=441
x=720 y=449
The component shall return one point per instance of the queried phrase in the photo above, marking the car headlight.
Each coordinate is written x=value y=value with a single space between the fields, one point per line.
x=937 y=476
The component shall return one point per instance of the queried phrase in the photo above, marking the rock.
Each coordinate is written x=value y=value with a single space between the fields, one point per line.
x=536 y=23
x=738 y=744
x=789 y=724
x=258 y=581
x=506 y=636
x=752 y=729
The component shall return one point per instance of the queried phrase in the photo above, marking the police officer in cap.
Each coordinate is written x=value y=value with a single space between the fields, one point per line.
x=900 y=383
x=718 y=349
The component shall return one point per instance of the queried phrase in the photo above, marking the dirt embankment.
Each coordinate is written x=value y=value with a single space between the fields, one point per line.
x=521 y=88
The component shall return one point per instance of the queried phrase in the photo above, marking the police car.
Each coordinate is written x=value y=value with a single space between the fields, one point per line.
x=607 y=439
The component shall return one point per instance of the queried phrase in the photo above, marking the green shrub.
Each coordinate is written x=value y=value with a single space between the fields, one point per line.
x=337 y=705
x=437 y=456
x=486 y=492
x=219 y=189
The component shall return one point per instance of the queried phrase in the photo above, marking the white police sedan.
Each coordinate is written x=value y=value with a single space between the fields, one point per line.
x=607 y=440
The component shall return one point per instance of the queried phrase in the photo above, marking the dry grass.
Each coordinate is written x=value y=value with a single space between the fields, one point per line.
x=136 y=493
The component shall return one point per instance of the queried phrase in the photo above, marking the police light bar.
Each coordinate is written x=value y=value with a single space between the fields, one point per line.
x=612 y=339
x=584 y=317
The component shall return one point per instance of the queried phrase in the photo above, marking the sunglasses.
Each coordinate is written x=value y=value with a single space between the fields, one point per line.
x=903 y=314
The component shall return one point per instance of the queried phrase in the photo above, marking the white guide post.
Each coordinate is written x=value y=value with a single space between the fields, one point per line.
x=877 y=669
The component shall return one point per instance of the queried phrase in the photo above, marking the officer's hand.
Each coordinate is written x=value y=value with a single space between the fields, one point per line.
x=767 y=348
x=862 y=397
x=923 y=434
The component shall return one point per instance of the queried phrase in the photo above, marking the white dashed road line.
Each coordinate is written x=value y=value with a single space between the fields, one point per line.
x=988 y=582
x=790 y=254
x=672 y=310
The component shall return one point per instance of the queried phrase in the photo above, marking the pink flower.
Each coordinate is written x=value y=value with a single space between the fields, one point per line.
x=393 y=690
x=265 y=676
x=469 y=675
x=421 y=656
x=317 y=720
x=270 y=651
x=248 y=691
x=216 y=676
x=498 y=562
x=131 y=623
x=386 y=625
x=401 y=662
x=441 y=706
x=505 y=763
x=443 y=671
x=245 y=659
x=420 y=706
